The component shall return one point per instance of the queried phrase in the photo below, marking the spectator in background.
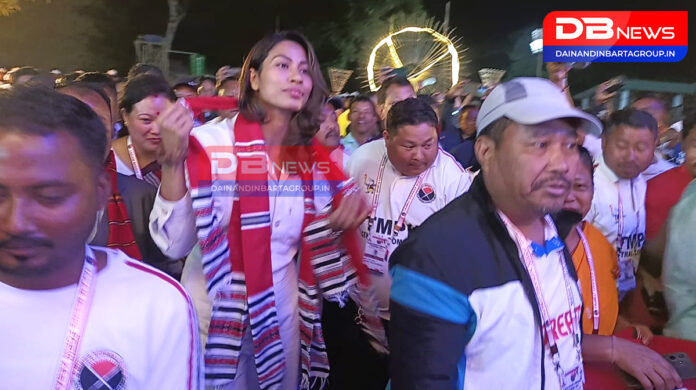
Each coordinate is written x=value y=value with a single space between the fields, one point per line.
x=337 y=103
x=328 y=135
x=459 y=96
x=593 y=256
x=393 y=90
x=141 y=68
x=43 y=79
x=364 y=124
x=124 y=222
x=107 y=84
x=665 y=189
x=679 y=271
x=206 y=86
x=228 y=87
x=667 y=138
x=668 y=144
x=67 y=79
x=464 y=151
x=185 y=89
x=618 y=205
x=23 y=75
x=435 y=105
x=145 y=98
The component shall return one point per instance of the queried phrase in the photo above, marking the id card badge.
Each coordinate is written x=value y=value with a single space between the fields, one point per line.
x=574 y=379
x=627 y=276
x=377 y=254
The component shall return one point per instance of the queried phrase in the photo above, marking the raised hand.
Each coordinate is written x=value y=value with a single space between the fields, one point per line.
x=350 y=213
x=175 y=125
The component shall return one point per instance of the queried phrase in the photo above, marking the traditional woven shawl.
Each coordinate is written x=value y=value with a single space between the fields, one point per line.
x=237 y=262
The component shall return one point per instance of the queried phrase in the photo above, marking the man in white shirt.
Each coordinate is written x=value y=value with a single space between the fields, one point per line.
x=75 y=316
x=407 y=178
x=618 y=205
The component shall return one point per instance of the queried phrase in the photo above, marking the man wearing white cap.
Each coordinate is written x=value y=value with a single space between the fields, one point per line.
x=474 y=283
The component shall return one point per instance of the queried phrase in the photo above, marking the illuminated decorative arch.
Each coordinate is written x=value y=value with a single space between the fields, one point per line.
x=446 y=53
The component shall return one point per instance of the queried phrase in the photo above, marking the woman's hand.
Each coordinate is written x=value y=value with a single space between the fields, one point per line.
x=350 y=213
x=175 y=125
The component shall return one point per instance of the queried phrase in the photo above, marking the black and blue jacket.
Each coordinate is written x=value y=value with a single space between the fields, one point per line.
x=463 y=310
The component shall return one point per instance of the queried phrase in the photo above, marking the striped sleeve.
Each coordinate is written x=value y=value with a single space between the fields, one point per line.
x=173 y=344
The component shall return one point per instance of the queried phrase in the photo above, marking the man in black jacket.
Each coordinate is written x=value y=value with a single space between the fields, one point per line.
x=473 y=285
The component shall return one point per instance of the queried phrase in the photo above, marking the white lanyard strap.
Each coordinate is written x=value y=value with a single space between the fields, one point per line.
x=621 y=220
x=134 y=159
x=593 y=281
x=78 y=321
x=404 y=210
x=529 y=265
x=620 y=233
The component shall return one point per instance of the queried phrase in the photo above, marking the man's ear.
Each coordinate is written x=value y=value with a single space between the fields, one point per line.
x=485 y=149
x=385 y=134
x=103 y=189
x=604 y=141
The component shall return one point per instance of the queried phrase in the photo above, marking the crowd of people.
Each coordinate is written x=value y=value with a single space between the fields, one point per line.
x=248 y=231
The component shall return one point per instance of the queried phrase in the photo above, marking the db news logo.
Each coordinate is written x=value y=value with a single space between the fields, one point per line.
x=615 y=36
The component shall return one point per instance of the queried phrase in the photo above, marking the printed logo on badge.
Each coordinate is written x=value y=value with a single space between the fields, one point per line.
x=101 y=369
x=615 y=36
x=369 y=185
x=426 y=193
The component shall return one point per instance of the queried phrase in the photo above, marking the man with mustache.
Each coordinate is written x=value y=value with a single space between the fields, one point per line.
x=618 y=205
x=484 y=293
x=74 y=315
x=364 y=124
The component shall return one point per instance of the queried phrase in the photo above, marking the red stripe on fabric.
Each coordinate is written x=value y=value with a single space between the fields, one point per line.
x=272 y=372
x=268 y=337
x=330 y=275
x=263 y=309
x=217 y=361
x=210 y=275
x=308 y=307
x=456 y=163
x=189 y=304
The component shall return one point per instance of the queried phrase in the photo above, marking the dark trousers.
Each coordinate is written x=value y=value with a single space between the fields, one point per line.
x=355 y=365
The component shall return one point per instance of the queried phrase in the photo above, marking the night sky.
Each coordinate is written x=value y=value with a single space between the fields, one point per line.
x=98 y=34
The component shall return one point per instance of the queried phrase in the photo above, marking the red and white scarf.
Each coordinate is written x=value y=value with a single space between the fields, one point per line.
x=237 y=263
x=120 y=229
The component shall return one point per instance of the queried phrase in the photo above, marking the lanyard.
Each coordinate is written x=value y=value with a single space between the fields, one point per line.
x=78 y=321
x=620 y=232
x=404 y=211
x=593 y=281
x=528 y=263
x=134 y=159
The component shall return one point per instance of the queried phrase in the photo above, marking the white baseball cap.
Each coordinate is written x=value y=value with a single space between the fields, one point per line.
x=530 y=101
